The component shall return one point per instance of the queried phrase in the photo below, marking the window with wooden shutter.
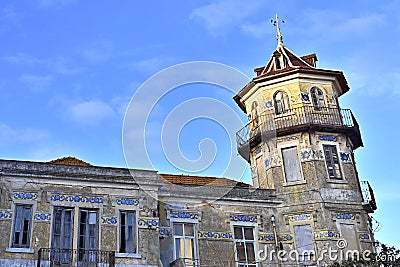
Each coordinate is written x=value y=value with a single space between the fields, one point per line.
x=332 y=162
x=291 y=164
x=22 y=226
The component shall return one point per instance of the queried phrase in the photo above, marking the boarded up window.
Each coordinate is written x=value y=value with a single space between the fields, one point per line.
x=291 y=164
x=332 y=162
x=348 y=232
x=304 y=242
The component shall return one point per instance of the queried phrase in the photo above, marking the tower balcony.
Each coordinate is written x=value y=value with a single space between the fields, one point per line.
x=306 y=118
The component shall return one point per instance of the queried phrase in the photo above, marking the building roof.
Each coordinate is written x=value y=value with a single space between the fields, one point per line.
x=201 y=180
x=289 y=59
x=70 y=161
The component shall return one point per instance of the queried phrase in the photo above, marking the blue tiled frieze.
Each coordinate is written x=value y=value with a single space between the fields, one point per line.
x=326 y=234
x=42 y=217
x=109 y=220
x=266 y=238
x=364 y=236
x=25 y=196
x=165 y=231
x=148 y=222
x=300 y=217
x=212 y=235
x=345 y=216
x=127 y=201
x=330 y=138
x=184 y=215
x=76 y=199
x=6 y=215
x=243 y=218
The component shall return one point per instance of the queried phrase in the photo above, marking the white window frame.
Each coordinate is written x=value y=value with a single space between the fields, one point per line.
x=289 y=144
x=136 y=255
x=28 y=249
x=338 y=180
x=195 y=247
x=255 y=234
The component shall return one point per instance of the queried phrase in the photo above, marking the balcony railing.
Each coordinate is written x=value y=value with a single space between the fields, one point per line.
x=368 y=196
x=269 y=124
x=52 y=257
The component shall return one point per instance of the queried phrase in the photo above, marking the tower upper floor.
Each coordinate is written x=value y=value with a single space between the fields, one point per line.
x=291 y=94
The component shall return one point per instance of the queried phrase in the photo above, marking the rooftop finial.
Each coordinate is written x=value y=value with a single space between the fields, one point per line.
x=278 y=30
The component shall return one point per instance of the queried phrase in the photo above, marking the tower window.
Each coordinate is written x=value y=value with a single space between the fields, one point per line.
x=332 y=162
x=281 y=101
x=254 y=112
x=291 y=164
x=317 y=98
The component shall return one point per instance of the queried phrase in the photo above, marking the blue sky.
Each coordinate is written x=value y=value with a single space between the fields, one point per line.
x=69 y=68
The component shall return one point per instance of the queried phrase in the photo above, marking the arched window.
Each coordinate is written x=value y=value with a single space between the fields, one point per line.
x=317 y=97
x=281 y=101
x=254 y=112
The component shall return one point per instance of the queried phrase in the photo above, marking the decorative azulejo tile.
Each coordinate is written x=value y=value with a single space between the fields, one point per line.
x=243 y=218
x=184 y=215
x=287 y=139
x=25 y=196
x=331 y=99
x=6 y=214
x=305 y=97
x=109 y=220
x=76 y=199
x=310 y=154
x=345 y=216
x=165 y=231
x=364 y=236
x=345 y=157
x=127 y=201
x=300 y=217
x=330 y=138
x=295 y=98
x=285 y=237
x=268 y=104
x=148 y=222
x=326 y=234
x=42 y=217
x=211 y=235
x=266 y=238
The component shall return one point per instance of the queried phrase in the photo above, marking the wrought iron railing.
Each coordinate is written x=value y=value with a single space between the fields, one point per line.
x=271 y=123
x=368 y=195
x=53 y=257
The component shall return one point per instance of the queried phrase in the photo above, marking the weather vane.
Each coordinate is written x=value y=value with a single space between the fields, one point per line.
x=278 y=29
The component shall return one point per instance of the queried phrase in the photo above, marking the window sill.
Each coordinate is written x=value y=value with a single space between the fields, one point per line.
x=337 y=181
x=128 y=255
x=294 y=183
x=21 y=250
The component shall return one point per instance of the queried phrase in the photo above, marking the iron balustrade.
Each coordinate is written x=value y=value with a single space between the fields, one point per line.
x=270 y=123
x=54 y=257
x=368 y=195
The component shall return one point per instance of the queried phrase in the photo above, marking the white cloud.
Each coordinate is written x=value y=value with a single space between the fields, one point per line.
x=63 y=66
x=37 y=83
x=257 y=30
x=222 y=16
x=9 y=135
x=91 y=112
x=21 y=58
